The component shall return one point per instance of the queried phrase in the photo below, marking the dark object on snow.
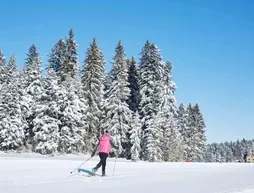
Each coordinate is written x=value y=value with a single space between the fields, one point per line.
x=245 y=157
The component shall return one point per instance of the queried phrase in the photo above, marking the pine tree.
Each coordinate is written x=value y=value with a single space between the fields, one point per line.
x=33 y=71
x=46 y=123
x=170 y=87
x=200 y=135
x=11 y=69
x=33 y=62
x=118 y=114
x=135 y=137
x=73 y=122
x=57 y=58
x=72 y=65
x=151 y=91
x=93 y=80
x=13 y=109
x=133 y=100
x=183 y=128
x=228 y=152
x=154 y=134
x=189 y=134
x=173 y=148
x=196 y=141
x=171 y=141
x=2 y=68
x=33 y=86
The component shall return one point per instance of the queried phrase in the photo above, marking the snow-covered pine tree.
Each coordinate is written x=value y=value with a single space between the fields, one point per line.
x=118 y=114
x=237 y=151
x=173 y=148
x=33 y=71
x=13 y=108
x=171 y=141
x=33 y=86
x=93 y=80
x=73 y=118
x=47 y=121
x=200 y=136
x=218 y=155
x=11 y=68
x=222 y=152
x=250 y=147
x=251 y=151
x=154 y=139
x=71 y=66
x=209 y=156
x=189 y=135
x=57 y=58
x=135 y=137
x=133 y=100
x=228 y=152
x=72 y=104
x=183 y=127
x=2 y=68
x=196 y=141
x=33 y=64
x=112 y=76
x=170 y=88
x=151 y=91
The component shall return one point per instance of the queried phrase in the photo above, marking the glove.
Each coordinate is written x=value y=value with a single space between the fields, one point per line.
x=92 y=154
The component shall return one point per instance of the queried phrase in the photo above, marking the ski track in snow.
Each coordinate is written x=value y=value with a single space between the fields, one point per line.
x=29 y=173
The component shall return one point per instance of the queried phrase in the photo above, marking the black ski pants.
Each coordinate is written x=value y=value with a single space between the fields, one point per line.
x=103 y=158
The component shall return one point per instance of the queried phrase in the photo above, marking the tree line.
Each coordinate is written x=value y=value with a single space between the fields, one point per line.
x=233 y=151
x=68 y=109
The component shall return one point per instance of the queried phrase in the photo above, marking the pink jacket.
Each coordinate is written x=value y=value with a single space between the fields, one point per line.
x=105 y=144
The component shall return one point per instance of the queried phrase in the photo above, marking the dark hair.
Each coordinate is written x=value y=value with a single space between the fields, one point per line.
x=106 y=131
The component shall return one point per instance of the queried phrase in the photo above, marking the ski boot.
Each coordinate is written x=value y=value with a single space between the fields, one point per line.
x=94 y=170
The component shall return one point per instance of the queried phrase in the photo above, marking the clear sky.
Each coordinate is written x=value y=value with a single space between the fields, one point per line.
x=209 y=42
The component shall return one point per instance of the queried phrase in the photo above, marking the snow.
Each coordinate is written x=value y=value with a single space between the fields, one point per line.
x=245 y=191
x=29 y=173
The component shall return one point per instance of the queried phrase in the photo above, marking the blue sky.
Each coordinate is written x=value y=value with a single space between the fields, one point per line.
x=210 y=44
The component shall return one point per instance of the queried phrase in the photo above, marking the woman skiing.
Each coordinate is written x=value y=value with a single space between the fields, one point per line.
x=105 y=144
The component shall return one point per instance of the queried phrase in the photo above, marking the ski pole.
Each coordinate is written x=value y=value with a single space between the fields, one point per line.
x=114 y=166
x=81 y=164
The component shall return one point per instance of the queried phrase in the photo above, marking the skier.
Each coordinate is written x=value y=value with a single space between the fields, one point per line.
x=105 y=145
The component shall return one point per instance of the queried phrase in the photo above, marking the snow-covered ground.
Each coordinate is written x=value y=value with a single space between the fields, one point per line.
x=28 y=173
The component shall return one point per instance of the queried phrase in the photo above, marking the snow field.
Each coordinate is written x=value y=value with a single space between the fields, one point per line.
x=26 y=173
